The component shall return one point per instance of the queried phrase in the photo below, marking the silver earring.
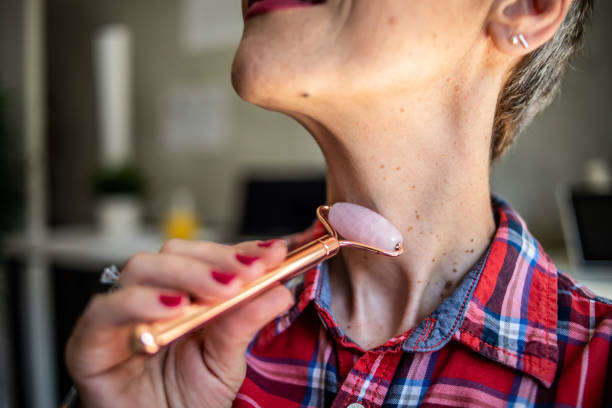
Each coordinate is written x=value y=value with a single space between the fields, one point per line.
x=519 y=39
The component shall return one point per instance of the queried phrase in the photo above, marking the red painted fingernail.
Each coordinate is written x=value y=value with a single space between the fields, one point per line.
x=267 y=244
x=170 y=300
x=246 y=260
x=224 y=278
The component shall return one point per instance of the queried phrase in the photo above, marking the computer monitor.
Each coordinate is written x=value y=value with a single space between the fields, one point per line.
x=277 y=205
x=586 y=215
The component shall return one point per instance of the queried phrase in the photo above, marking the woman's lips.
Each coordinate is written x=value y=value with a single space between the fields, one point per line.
x=257 y=7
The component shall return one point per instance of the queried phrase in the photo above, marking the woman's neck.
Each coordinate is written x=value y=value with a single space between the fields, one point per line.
x=425 y=167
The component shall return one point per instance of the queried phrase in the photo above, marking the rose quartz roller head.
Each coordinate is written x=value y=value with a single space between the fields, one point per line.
x=347 y=225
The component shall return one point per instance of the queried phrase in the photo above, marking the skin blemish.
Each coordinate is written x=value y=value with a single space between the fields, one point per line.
x=416 y=214
x=398 y=168
x=385 y=178
x=410 y=229
x=472 y=240
x=433 y=260
x=455 y=270
x=471 y=251
x=402 y=110
x=304 y=94
x=392 y=21
x=413 y=186
x=382 y=166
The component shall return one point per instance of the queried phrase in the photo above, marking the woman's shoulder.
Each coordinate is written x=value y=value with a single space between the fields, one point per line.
x=582 y=315
x=579 y=292
x=584 y=340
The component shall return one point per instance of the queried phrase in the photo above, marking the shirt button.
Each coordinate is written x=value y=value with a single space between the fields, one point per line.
x=355 y=405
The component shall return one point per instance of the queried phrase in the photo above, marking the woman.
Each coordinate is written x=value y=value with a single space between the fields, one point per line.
x=410 y=101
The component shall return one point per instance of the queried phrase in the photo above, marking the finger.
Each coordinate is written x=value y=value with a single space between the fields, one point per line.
x=271 y=252
x=227 y=258
x=222 y=344
x=134 y=304
x=186 y=274
x=237 y=328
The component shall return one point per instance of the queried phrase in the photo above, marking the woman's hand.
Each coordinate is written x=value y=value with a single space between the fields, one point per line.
x=202 y=369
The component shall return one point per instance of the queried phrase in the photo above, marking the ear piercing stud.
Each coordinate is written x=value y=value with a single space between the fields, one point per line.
x=519 y=39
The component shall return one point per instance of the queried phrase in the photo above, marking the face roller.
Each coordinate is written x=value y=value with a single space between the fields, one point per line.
x=347 y=225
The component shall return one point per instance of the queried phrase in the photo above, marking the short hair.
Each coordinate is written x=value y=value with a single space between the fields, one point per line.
x=535 y=81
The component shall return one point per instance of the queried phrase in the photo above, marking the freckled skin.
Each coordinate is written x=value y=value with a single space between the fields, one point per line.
x=399 y=83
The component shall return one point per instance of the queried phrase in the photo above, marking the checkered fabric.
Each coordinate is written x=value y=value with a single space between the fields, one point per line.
x=515 y=333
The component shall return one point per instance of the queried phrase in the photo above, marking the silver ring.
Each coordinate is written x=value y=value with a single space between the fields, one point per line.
x=110 y=276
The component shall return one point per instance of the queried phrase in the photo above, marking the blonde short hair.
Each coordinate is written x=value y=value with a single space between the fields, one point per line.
x=535 y=81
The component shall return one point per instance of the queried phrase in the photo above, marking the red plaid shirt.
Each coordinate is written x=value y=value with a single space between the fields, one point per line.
x=516 y=332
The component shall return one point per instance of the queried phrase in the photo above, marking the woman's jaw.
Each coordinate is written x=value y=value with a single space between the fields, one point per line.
x=343 y=49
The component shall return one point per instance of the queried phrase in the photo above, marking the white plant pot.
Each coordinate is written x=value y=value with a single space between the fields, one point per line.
x=119 y=215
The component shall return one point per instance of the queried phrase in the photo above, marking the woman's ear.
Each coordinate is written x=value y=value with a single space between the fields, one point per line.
x=517 y=27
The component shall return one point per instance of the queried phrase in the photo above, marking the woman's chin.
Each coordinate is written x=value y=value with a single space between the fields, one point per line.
x=266 y=85
x=247 y=79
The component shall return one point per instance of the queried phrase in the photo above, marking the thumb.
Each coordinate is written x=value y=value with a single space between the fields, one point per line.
x=226 y=341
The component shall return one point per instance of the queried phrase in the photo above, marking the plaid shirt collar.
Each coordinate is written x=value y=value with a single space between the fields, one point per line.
x=505 y=308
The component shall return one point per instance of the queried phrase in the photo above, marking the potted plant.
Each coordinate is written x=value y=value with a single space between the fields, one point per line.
x=119 y=192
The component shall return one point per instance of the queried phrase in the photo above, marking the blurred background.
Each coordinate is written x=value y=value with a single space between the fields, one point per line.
x=119 y=128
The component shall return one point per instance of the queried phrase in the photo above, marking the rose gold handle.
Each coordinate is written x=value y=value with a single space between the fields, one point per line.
x=149 y=338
